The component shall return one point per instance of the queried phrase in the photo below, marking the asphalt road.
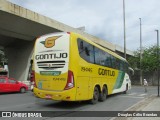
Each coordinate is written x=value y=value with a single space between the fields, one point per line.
x=117 y=102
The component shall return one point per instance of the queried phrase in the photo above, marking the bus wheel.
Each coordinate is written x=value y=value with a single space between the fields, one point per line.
x=94 y=100
x=125 y=92
x=103 y=94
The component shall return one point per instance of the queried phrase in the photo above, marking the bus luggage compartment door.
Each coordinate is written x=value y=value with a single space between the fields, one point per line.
x=82 y=88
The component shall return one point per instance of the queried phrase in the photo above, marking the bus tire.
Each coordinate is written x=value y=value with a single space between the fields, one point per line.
x=125 y=92
x=103 y=94
x=95 y=98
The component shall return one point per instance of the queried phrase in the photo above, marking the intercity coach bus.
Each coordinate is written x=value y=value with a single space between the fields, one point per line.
x=69 y=67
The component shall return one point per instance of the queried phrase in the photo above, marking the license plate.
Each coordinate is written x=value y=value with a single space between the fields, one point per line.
x=48 y=96
x=50 y=73
x=40 y=85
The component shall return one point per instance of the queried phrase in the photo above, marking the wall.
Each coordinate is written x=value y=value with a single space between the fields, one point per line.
x=152 y=78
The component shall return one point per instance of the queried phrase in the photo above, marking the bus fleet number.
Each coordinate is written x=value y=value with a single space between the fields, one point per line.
x=85 y=69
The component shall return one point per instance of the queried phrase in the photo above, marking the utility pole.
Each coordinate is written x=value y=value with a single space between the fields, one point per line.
x=158 y=58
x=124 y=23
x=140 y=52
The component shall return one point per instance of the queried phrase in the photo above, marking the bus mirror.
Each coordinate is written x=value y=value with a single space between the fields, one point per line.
x=131 y=71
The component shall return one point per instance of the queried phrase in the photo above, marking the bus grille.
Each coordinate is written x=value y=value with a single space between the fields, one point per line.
x=51 y=64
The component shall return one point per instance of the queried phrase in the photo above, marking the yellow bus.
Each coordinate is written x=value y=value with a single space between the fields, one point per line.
x=69 y=67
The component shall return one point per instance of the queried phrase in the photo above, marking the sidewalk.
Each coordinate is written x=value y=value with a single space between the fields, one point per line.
x=154 y=105
x=149 y=104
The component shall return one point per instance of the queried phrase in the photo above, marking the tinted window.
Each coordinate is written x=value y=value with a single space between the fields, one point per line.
x=108 y=61
x=113 y=61
x=2 y=80
x=97 y=56
x=121 y=65
x=86 y=50
x=11 y=81
x=126 y=67
x=117 y=64
x=102 y=58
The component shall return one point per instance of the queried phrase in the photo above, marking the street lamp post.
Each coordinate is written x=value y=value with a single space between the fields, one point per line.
x=140 y=51
x=124 y=23
x=158 y=58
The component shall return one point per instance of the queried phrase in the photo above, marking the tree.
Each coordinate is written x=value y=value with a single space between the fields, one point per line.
x=149 y=63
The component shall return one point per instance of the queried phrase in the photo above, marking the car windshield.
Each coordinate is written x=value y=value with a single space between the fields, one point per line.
x=11 y=81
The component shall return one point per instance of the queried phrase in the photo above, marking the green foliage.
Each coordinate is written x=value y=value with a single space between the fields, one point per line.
x=149 y=59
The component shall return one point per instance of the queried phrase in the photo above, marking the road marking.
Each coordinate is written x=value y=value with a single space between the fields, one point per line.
x=132 y=96
x=138 y=103
x=142 y=94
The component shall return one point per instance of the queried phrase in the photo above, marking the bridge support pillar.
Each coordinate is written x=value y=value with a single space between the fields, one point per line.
x=19 y=54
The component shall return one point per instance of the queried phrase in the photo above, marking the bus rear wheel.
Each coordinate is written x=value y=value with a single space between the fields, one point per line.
x=95 y=98
x=103 y=94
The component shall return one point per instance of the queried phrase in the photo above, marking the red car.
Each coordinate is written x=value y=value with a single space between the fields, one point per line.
x=12 y=85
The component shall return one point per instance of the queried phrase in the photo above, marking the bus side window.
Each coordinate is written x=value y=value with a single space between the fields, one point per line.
x=102 y=58
x=98 y=55
x=81 y=45
x=86 y=50
x=113 y=61
x=127 y=67
x=121 y=65
x=108 y=60
x=117 y=64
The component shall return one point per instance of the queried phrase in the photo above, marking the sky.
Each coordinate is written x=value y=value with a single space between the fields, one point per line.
x=104 y=18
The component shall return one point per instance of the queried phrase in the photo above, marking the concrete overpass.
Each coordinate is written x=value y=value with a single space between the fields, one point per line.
x=18 y=29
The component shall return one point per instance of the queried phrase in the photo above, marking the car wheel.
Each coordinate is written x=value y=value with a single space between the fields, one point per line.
x=22 y=90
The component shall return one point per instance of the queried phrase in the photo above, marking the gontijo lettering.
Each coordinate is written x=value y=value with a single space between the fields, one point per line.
x=106 y=72
x=51 y=56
